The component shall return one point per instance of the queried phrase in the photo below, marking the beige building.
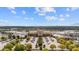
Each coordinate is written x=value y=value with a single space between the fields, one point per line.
x=40 y=33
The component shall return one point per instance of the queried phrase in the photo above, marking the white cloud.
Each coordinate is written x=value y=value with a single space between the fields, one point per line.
x=23 y=12
x=50 y=18
x=37 y=9
x=74 y=8
x=26 y=18
x=43 y=10
x=29 y=18
x=61 y=19
x=61 y=15
x=12 y=11
x=67 y=15
x=67 y=9
x=48 y=9
x=41 y=14
x=11 y=8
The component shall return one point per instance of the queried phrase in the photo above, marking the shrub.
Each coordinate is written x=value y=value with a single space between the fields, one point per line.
x=3 y=38
x=29 y=47
x=62 y=46
x=62 y=41
x=19 y=47
x=17 y=40
x=75 y=49
x=69 y=42
x=40 y=41
x=8 y=46
x=52 y=46
x=28 y=38
x=70 y=47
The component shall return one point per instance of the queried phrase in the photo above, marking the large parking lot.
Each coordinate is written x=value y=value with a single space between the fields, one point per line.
x=58 y=41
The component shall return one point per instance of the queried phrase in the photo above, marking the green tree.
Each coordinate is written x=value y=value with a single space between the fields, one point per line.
x=70 y=47
x=36 y=46
x=75 y=49
x=62 y=41
x=29 y=47
x=8 y=46
x=17 y=40
x=62 y=46
x=18 y=37
x=77 y=44
x=19 y=47
x=52 y=46
x=44 y=46
x=69 y=42
x=3 y=38
x=9 y=36
x=28 y=38
x=40 y=42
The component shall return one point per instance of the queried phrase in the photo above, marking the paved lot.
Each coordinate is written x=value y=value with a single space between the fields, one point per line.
x=33 y=41
x=47 y=41
x=56 y=43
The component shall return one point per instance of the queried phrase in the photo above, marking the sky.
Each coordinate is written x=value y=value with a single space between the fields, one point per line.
x=39 y=16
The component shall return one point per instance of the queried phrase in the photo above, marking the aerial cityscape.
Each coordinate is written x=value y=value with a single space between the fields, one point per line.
x=39 y=29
